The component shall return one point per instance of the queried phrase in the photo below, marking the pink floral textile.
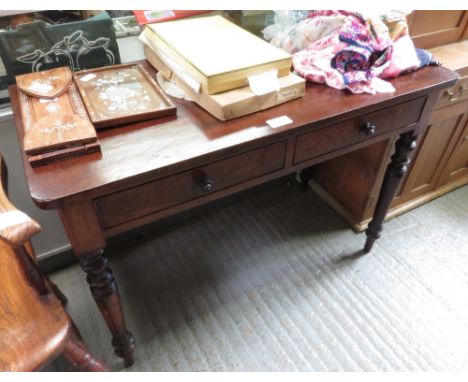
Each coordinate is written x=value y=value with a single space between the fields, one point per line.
x=299 y=36
x=347 y=50
x=352 y=58
x=404 y=58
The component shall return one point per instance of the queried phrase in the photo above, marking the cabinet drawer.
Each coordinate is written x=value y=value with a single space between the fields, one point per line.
x=458 y=92
x=324 y=140
x=164 y=193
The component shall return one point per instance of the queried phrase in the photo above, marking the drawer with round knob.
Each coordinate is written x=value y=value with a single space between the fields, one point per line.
x=355 y=130
x=145 y=199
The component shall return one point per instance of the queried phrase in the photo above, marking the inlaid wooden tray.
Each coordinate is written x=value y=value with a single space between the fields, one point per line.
x=55 y=121
x=120 y=94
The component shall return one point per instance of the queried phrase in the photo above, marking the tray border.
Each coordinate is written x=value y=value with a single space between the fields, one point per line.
x=131 y=118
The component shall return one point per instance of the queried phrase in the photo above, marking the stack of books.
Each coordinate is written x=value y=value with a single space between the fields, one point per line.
x=225 y=69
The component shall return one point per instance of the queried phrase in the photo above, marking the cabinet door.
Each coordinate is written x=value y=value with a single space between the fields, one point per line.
x=436 y=147
x=433 y=28
x=457 y=165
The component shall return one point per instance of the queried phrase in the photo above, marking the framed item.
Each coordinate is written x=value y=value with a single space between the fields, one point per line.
x=55 y=121
x=121 y=94
x=44 y=41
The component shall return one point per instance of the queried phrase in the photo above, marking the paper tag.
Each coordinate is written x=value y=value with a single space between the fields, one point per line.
x=264 y=83
x=88 y=77
x=279 y=121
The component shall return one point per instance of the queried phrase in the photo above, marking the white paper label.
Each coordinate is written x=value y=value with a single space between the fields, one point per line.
x=264 y=83
x=279 y=121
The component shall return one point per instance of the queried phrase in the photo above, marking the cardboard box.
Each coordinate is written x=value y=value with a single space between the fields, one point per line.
x=217 y=53
x=234 y=103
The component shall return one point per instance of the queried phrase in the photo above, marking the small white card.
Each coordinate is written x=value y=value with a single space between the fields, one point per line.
x=279 y=121
x=264 y=83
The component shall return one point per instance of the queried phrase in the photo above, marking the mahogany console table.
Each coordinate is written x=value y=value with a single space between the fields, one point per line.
x=154 y=169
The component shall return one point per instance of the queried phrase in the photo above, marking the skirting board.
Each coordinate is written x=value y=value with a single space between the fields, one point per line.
x=56 y=259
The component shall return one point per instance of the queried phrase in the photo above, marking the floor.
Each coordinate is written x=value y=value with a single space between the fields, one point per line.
x=274 y=281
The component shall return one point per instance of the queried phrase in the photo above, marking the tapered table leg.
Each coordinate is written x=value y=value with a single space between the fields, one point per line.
x=104 y=290
x=393 y=176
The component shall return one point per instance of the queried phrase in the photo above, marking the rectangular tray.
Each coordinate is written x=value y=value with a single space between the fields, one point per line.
x=121 y=94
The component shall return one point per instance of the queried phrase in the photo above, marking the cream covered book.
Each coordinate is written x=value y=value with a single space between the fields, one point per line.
x=217 y=53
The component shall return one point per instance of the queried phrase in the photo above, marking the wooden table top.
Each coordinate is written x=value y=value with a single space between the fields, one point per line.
x=143 y=151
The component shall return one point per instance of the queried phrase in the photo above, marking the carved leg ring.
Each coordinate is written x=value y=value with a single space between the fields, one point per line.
x=106 y=295
x=393 y=176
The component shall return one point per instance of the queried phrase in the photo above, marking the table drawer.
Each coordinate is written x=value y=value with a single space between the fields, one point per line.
x=354 y=130
x=160 y=194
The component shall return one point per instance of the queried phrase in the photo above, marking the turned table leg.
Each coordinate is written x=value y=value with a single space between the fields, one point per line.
x=86 y=237
x=393 y=176
x=104 y=290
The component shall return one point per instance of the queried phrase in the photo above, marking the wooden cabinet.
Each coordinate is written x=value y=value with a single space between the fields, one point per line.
x=433 y=28
x=456 y=168
x=441 y=158
x=440 y=162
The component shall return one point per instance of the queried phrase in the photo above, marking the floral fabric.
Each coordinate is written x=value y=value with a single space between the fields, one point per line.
x=347 y=50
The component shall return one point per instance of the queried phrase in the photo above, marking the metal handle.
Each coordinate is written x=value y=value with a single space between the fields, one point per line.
x=206 y=184
x=451 y=95
x=369 y=128
x=462 y=89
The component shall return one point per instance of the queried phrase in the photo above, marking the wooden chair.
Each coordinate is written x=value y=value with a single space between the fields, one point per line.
x=34 y=327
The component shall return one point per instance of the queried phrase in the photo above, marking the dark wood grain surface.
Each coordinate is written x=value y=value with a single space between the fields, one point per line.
x=156 y=148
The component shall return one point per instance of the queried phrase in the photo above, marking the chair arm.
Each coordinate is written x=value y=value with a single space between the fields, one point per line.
x=15 y=226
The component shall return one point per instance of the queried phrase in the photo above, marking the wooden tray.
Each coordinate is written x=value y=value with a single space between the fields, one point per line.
x=120 y=94
x=55 y=122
